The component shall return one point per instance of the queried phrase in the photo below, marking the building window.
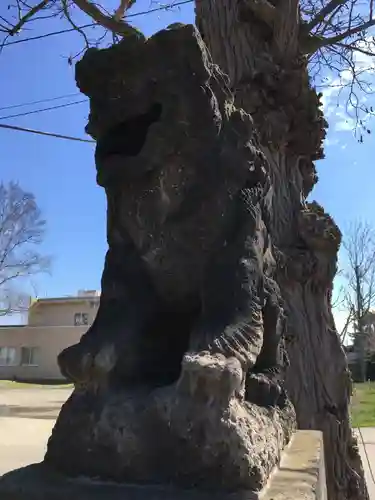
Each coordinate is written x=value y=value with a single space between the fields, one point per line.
x=29 y=356
x=8 y=356
x=81 y=319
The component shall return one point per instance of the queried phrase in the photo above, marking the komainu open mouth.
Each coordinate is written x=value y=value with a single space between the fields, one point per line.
x=128 y=137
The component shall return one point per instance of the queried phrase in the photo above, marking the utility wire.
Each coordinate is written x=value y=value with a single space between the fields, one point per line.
x=41 y=110
x=40 y=132
x=69 y=30
x=31 y=103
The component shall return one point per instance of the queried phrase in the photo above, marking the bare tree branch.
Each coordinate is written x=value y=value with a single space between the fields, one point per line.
x=24 y=19
x=356 y=49
x=122 y=8
x=21 y=231
x=13 y=302
x=316 y=42
x=73 y=24
x=323 y=13
x=344 y=331
x=118 y=27
x=337 y=37
x=5 y=27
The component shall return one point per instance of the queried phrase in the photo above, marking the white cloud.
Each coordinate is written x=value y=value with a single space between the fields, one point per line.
x=339 y=113
x=328 y=142
x=344 y=124
x=340 y=318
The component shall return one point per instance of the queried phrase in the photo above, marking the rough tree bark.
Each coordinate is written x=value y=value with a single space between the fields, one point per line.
x=258 y=44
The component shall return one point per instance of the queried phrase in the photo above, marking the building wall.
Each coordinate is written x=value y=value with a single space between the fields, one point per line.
x=49 y=313
x=49 y=342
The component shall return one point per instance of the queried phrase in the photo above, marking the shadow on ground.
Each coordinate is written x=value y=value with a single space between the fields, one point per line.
x=49 y=412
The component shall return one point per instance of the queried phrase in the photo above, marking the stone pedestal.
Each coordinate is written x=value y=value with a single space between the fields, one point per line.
x=195 y=433
x=300 y=476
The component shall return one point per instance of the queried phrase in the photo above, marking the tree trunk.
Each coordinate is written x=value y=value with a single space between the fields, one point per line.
x=360 y=325
x=259 y=50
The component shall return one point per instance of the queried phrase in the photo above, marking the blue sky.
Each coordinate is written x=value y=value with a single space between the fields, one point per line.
x=62 y=174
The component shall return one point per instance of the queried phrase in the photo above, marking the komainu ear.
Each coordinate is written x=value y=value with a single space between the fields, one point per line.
x=182 y=47
x=99 y=66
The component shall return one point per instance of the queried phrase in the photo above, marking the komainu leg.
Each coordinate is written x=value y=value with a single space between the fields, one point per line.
x=264 y=381
x=241 y=312
x=119 y=325
x=232 y=295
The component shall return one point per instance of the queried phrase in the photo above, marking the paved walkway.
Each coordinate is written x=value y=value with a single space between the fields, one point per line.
x=27 y=415
x=22 y=441
x=366 y=442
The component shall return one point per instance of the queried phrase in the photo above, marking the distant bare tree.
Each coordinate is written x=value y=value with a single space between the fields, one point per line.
x=21 y=231
x=359 y=291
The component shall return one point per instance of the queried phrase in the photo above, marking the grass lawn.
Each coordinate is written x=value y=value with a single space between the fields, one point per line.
x=9 y=384
x=363 y=405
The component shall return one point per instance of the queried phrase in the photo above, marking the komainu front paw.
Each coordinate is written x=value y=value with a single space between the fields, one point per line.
x=264 y=390
x=211 y=378
x=80 y=363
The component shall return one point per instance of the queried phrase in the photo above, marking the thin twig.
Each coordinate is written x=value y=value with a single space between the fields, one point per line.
x=28 y=16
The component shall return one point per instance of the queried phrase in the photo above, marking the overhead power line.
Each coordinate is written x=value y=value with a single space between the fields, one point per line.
x=52 y=33
x=32 y=103
x=48 y=134
x=41 y=110
x=69 y=30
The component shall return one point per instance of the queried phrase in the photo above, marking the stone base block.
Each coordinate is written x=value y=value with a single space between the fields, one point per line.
x=300 y=476
x=195 y=433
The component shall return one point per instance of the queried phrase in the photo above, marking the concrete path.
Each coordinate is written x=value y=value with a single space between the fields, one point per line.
x=366 y=443
x=22 y=441
x=27 y=415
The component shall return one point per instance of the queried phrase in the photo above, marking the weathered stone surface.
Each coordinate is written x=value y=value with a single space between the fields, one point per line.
x=300 y=476
x=180 y=378
x=196 y=433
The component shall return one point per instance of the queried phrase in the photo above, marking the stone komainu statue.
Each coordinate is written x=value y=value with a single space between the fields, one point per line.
x=186 y=344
